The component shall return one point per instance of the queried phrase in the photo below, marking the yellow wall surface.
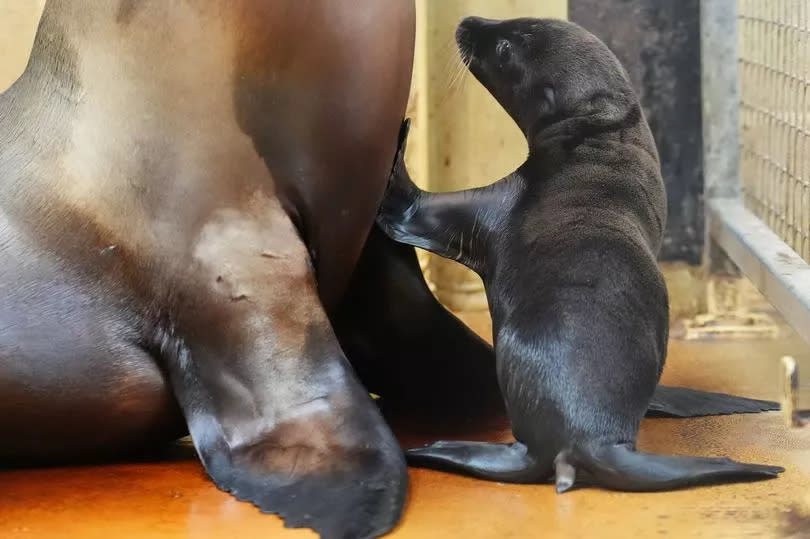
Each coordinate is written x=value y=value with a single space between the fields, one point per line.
x=18 y=20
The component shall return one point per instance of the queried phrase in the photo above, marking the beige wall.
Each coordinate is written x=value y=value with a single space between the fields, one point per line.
x=18 y=20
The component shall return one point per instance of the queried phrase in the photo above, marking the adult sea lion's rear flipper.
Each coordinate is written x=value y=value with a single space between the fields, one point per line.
x=407 y=346
x=621 y=467
x=670 y=401
x=421 y=359
x=509 y=463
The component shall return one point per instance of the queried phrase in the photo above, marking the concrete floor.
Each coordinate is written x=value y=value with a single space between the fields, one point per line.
x=173 y=499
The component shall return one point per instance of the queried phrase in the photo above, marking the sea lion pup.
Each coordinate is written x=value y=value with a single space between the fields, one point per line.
x=566 y=247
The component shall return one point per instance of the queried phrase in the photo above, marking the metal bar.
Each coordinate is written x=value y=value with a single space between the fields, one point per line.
x=720 y=89
x=794 y=417
x=720 y=97
x=778 y=271
x=775 y=122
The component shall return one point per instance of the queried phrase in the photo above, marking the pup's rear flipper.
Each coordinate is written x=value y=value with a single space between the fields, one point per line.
x=670 y=401
x=620 y=467
x=509 y=463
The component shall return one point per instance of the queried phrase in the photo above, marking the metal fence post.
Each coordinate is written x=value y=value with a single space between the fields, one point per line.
x=720 y=88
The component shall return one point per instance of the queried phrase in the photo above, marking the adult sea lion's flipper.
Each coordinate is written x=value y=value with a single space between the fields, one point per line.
x=407 y=347
x=668 y=401
x=331 y=466
x=273 y=407
x=508 y=463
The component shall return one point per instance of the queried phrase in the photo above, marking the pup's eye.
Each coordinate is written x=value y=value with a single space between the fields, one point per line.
x=504 y=50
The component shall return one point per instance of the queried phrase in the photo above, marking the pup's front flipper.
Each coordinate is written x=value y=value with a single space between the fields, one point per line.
x=621 y=467
x=455 y=225
x=670 y=401
x=402 y=196
x=509 y=463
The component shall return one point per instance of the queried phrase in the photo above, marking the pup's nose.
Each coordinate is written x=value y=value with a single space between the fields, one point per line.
x=467 y=28
x=473 y=23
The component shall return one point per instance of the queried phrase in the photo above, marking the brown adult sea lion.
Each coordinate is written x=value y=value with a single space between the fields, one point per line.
x=187 y=191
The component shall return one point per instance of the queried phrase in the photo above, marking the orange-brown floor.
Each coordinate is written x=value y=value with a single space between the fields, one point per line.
x=174 y=499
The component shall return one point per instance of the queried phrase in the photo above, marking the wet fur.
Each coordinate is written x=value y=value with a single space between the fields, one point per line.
x=566 y=246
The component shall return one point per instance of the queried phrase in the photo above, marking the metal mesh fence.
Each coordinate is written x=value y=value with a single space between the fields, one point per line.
x=774 y=60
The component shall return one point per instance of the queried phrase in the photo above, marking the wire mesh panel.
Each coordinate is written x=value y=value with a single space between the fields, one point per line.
x=774 y=68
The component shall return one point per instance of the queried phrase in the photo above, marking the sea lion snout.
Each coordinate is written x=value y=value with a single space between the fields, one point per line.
x=467 y=33
x=477 y=38
x=507 y=59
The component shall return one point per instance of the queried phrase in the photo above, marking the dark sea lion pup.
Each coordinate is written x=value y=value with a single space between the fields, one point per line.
x=567 y=248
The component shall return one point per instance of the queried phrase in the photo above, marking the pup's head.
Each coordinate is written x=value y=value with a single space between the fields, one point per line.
x=543 y=71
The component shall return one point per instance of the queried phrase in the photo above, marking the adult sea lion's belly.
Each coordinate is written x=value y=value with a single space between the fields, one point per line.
x=339 y=96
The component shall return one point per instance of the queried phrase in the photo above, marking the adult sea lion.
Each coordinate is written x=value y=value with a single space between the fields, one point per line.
x=187 y=191
x=566 y=246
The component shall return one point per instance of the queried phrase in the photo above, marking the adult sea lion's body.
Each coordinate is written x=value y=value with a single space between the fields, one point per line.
x=187 y=191
x=566 y=246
